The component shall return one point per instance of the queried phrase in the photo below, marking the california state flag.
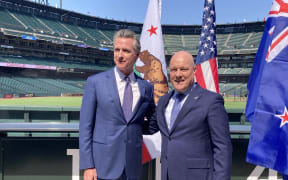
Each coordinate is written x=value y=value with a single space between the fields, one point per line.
x=151 y=66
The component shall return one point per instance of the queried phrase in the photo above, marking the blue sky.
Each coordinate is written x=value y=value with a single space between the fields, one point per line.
x=179 y=12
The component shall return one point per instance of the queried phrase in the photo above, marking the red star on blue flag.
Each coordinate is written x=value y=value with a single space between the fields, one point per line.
x=283 y=117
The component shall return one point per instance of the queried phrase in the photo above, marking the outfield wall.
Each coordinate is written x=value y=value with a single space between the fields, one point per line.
x=52 y=153
x=22 y=114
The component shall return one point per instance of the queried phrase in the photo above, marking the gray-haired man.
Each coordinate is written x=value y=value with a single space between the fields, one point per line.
x=114 y=105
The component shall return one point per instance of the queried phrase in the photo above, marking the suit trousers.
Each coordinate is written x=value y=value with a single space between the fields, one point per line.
x=122 y=177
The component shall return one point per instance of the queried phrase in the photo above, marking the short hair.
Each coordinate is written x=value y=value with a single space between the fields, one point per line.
x=126 y=33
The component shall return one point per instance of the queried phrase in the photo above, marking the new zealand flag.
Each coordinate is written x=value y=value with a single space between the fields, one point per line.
x=268 y=94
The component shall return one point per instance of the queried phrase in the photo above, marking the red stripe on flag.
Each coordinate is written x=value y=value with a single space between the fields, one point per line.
x=283 y=6
x=213 y=66
x=199 y=76
x=279 y=39
x=273 y=12
x=145 y=154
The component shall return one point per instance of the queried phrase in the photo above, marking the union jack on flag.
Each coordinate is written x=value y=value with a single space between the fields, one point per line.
x=206 y=62
x=280 y=41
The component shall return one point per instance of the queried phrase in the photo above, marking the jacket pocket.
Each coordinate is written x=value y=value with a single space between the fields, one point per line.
x=198 y=169
x=100 y=138
x=198 y=163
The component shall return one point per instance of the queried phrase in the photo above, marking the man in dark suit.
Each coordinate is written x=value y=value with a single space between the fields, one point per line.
x=194 y=128
x=114 y=105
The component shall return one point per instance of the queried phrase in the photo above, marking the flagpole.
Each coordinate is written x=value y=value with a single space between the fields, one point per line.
x=160 y=7
x=157 y=161
x=158 y=169
x=152 y=49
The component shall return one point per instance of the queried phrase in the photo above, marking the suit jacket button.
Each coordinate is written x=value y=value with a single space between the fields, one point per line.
x=169 y=138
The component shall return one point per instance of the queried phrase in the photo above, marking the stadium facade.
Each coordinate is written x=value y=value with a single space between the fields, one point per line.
x=42 y=37
x=46 y=51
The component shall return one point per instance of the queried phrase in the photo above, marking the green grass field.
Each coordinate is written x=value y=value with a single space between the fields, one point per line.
x=235 y=104
x=43 y=101
x=230 y=103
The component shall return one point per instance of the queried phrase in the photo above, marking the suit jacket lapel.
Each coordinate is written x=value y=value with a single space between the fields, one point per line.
x=142 y=90
x=190 y=102
x=111 y=80
x=163 y=109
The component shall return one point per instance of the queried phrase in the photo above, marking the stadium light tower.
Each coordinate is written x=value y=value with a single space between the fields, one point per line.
x=45 y=2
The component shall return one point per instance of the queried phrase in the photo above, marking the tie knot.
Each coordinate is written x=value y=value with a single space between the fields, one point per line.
x=127 y=79
x=179 y=96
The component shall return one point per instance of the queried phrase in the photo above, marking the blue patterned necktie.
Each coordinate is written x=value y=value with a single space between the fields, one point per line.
x=127 y=100
x=176 y=108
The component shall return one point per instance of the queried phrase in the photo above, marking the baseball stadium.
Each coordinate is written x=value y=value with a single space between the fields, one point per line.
x=46 y=55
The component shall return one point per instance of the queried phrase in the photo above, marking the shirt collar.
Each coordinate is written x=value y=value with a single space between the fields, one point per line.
x=186 y=92
x=122 y=76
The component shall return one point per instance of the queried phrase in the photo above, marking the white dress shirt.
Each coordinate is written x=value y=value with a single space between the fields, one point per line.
x=170 y=105
x=120 y=81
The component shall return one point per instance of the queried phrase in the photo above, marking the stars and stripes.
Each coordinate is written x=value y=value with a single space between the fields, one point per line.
x=206 y=62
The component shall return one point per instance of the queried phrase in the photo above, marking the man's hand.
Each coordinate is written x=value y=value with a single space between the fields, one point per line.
x=90 y=174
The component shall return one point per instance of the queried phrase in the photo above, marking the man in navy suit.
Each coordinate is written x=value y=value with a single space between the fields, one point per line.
x=114 y=105
x=194 y=128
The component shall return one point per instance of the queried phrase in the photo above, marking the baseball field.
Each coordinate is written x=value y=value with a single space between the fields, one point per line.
x=230 y=102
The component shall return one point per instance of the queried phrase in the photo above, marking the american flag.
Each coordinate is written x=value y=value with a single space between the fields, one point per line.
x=206 y=62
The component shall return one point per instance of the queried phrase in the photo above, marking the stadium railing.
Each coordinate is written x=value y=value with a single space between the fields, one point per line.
x=74 y=127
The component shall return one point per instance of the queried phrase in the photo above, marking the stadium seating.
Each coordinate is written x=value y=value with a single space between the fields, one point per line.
x=83 y=35
x=6 y=20
x=173 y=43
x=108 y=34
x=32 y=23
x=221 y=41
x=52 y=62
x=19 y=33
x=245 y=71
x=233 y=89
x=234 y=71
x=39 y=86
x=236 y=40
x=60 y=32
x=17 y=87
x=102 y=39
x=254 y=40
x=191 y=43
x=57 y=30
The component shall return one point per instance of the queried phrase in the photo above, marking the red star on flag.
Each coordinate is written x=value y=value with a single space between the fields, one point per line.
x=152 y=30
x=283 y=117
